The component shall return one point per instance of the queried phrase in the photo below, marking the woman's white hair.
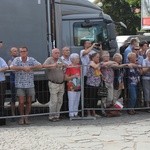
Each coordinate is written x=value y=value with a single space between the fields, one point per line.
x=116 y=55
x=74 y=56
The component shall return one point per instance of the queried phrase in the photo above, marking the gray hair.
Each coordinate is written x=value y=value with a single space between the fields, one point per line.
x=74 y=56
x=64 y=48
x=130 y=55
x=117 y=54
x=105 y=53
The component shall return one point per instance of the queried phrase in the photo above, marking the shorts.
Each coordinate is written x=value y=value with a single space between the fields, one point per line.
x=25 y=91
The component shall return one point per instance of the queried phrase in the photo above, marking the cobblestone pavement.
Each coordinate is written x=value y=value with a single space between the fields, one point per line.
x=119 y=133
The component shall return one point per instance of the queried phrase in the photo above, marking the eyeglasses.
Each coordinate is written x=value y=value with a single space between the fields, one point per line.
x=136 y=49
x=22 y=51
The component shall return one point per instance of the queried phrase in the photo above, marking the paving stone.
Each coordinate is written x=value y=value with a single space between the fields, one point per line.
x=120 y=133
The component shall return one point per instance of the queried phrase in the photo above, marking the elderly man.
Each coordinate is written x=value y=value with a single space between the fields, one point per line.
x=55 y=75
x=24 y=81
x=66 y=55
x=14 y=54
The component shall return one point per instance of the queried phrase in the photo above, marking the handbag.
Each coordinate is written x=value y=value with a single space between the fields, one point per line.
x=102 y=90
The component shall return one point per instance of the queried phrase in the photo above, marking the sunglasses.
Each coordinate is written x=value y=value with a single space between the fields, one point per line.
x=136 y=49
x=22 y=51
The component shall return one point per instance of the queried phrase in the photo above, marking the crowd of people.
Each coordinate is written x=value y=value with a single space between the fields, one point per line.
x=126 y=71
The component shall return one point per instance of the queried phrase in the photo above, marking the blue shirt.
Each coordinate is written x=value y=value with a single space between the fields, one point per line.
x=24 y=79
x=126 y=52
x=2 y=65
x=140 y=60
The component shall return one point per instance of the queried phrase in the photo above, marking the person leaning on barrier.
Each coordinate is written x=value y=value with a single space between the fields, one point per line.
x=73 y=76
x=93 y=82
x=3 y=68
x=14 y=54
x=66 y=60
x=24 y=81
x=118 y=76
x=55 y=74
x=133 y=77
x=108 y=75
x=146 y=78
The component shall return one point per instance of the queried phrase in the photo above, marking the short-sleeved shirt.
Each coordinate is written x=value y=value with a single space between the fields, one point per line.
x=108 y=73
x=93 y=77
x=133 y=76
x=54 y=74
x=85 y=60
x=66 y=61
x=2 y=65
x=24 y=79
x=75 y=83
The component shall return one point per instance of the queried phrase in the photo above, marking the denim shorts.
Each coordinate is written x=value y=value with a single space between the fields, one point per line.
x=25 y=91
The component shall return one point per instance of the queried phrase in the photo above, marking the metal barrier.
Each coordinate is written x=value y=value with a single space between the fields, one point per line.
x=40 y=101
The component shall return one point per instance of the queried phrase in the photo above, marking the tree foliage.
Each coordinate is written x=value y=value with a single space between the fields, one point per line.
x=123 y=10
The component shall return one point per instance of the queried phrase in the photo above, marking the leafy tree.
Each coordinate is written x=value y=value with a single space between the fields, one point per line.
x=123 y=10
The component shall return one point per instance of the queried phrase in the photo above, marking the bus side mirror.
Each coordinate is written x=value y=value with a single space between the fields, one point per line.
x=111 y=31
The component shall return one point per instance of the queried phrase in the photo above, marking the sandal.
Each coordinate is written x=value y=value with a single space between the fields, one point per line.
x=26 y=120
x=21 y=121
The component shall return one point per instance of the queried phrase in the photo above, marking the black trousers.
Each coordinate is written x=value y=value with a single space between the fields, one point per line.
x=2 y=98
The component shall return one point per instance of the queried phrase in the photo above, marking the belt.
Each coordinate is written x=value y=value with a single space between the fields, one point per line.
x=56 y=82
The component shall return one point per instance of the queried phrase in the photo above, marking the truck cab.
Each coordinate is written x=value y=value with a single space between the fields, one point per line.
x=42 y=25
x=82 y=20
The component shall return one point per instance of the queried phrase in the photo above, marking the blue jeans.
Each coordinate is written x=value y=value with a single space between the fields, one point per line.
x=132 y=95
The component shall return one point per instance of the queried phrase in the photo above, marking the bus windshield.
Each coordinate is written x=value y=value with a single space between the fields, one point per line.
x=96 y=33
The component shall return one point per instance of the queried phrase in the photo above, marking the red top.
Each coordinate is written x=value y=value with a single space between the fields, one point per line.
x=75 y=83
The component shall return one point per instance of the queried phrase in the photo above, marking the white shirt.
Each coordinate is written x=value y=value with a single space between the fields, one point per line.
x=66 y=61
x=85 y=60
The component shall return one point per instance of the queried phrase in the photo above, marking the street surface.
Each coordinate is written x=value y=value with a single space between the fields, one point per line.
x=118 y=133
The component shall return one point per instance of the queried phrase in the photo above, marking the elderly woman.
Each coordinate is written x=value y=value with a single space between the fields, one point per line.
x=146 y=78
x=133 y=74
x=118 y=76
x=108 y=75
x=73 y=76
x=93 y=82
